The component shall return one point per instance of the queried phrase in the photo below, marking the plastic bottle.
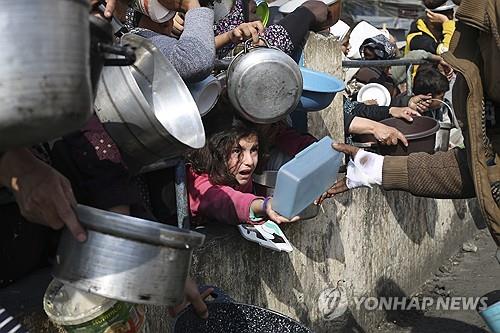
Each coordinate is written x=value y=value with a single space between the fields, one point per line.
x=152 y=8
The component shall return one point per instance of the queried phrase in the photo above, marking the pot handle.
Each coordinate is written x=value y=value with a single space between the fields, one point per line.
x=365 y=145
x=248 y=44
x=126 y=51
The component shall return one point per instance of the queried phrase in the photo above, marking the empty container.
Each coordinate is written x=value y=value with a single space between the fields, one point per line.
x=303 y=179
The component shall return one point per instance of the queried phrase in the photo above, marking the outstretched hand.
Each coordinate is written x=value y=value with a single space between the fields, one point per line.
x=341 y=185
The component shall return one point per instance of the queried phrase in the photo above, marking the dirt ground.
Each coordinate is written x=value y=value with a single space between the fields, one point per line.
x=474 y=271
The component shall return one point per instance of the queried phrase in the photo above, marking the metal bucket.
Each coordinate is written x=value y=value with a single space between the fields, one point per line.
x=127 y=258
x=78 y=311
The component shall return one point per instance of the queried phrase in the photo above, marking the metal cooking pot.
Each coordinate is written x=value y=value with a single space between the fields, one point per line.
x=101 y=43
x=146 y=108
x=227 y=316
x=263 y=83
x=45 y=78
x=127 y=258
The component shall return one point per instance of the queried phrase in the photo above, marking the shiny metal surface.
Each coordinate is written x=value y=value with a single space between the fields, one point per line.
x=264 y=84
x=45 y=74
x=146 y=108
x=126 y=258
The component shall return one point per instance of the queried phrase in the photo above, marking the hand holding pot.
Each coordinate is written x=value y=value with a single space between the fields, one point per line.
x=246 y=31
x=387 y=135
x=44 y=195
x=403 y=113
x=193 y=297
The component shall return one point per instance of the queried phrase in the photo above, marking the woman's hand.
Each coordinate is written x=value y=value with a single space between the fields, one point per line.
x=420 y=103
x=246 y=31
x=388 y=135
x=403 y=113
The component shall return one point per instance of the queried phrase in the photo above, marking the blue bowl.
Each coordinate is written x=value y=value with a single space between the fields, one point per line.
x=318 y=90
x=491 y=316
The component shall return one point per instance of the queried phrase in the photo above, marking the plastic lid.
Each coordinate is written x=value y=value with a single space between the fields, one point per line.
x=66 y=306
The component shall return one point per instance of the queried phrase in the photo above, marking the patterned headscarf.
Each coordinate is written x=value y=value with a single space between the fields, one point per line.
x=383 y=48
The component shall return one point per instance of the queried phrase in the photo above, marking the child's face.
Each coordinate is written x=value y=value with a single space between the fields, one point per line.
x=243 y=159
x=436 y=104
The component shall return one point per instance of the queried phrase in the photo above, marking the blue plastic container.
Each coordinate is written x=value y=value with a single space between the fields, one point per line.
x=491 y=315
x=303 y=179
x=318 y=90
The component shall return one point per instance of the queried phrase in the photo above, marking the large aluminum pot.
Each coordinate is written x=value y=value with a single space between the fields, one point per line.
x=263 y=83
x=126 y=258
x=45 y=77
x=146 y=108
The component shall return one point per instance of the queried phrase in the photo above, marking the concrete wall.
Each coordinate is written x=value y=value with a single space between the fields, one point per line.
x=380 y=243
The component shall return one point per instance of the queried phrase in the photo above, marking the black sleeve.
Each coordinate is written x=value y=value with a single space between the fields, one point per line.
x=297 y=24
x=348 y=117
x=373 y=112
x=423 y=42
x=401 y=100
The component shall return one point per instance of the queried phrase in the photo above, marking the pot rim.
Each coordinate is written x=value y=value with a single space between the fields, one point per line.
x=233 y=96
x=138 y=229
x=419 y=135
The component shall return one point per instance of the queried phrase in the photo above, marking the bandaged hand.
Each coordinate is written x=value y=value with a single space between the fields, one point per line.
x=363 y=170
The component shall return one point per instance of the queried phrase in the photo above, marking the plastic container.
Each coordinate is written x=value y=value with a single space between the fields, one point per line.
x=303 y=179
x=82 y=312
x=318 y=90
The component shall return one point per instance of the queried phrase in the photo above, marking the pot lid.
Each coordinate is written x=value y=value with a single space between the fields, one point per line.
x=138 y=229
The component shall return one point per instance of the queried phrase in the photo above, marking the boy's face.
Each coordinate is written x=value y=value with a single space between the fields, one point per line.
x=436 y=104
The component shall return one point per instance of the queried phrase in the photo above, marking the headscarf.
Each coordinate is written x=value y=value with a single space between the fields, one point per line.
x=384 y=49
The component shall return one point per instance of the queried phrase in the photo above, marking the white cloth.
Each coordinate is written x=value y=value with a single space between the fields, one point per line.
x=365 y=170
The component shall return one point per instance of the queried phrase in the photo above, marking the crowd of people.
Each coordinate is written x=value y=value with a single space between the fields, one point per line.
x=42 y=184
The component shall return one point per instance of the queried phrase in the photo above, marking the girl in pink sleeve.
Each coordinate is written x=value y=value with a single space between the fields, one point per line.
x=220 y=179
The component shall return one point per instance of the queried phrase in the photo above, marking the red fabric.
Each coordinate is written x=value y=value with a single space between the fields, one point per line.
x=292 y=142
x=218 y=202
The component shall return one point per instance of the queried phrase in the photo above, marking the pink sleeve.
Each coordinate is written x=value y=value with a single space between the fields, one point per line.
x=218 y=202
x=292 y=142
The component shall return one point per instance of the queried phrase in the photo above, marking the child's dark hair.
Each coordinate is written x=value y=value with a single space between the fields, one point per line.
x=212 y=159
x=429 y=80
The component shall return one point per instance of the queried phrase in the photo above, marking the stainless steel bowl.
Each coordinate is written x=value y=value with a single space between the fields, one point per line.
x=126 y=258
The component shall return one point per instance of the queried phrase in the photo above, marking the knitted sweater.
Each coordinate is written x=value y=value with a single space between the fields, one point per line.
x=193 y=54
